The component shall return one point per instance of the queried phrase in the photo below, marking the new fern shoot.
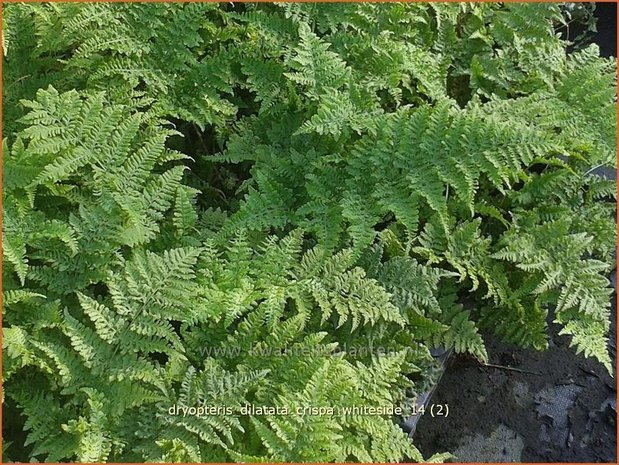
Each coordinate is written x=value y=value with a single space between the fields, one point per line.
x=287 y=205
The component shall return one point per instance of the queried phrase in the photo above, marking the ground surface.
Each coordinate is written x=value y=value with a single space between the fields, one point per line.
x=606 y=36
x=563 y=411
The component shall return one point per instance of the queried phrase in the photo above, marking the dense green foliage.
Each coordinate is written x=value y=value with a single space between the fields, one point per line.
x=229 y=204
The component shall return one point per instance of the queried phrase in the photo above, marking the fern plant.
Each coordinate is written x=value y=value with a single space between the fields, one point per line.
x=450 y=183
x=286 y=206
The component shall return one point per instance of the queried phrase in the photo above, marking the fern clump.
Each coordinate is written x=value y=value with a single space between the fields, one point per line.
x=226 y=227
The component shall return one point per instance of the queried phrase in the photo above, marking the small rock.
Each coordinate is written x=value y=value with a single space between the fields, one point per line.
x=503 y=445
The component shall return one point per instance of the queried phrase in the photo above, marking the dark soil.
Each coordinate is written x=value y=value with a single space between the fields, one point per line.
x=606 y=36
x=566 y=412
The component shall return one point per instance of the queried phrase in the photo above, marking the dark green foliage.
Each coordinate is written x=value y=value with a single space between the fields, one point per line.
x=287 y=205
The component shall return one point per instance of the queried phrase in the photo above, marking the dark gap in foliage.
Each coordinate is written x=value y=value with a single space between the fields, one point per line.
x=13 y=421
